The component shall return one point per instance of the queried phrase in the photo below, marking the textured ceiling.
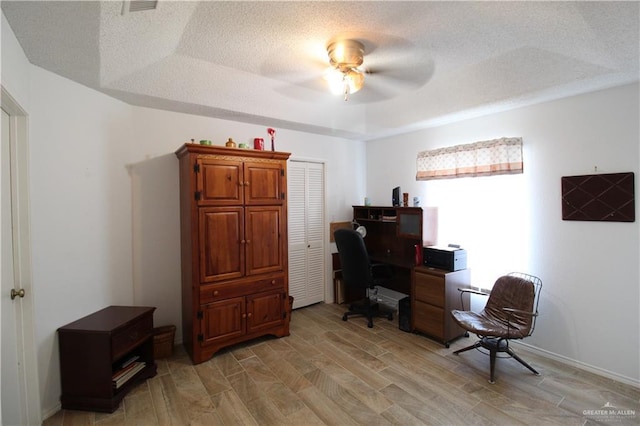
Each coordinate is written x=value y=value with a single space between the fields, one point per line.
x=262 y=62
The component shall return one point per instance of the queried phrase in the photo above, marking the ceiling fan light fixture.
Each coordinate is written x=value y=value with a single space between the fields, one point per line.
x=344 y=83
x=345 y=57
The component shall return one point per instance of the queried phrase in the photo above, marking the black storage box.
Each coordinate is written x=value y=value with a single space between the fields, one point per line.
x=404 y=314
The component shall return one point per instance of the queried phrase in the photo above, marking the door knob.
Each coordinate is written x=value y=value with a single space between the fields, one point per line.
x=19 y=293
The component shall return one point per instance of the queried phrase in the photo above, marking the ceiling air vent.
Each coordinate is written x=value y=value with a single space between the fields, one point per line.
x=138 y=5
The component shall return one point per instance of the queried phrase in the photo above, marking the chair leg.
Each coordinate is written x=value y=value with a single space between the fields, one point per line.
x=367 y=309
x=521 y=361
x=468 y=348
x=492 y=366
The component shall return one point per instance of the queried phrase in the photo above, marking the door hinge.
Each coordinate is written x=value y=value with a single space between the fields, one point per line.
x=199 y=315
x=284 y=315
x=198 y=195
x=282 y=195
x=281 y=172
x=200 y=338
x=196 y=168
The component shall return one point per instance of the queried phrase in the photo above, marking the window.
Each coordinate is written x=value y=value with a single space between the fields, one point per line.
x=486 y=158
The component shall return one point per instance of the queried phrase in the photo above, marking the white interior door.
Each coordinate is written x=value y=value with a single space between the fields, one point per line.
x=10 y=398
x=20 y=396
x=306 y=232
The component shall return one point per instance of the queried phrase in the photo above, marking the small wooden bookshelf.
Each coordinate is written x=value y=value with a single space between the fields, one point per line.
x=105 y=354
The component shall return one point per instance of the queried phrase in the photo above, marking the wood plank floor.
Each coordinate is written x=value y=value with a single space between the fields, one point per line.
x=331 y=372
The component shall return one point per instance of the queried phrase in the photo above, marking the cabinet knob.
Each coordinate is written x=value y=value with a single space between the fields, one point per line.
x=249 y=314
x=273 y=281
x=248 y=241
x=246 y=184
x=215 y=293
x=244 y=315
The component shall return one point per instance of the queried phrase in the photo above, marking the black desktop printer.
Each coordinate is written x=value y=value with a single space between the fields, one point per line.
x=450 y=258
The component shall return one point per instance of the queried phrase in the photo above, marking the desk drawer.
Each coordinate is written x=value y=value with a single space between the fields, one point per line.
x=428 y=319
x=429 y=289
x=130 y=336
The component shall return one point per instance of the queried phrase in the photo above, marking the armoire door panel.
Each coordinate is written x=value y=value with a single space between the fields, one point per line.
x=221 y=243
x=264 y=311
x=264 y=231
x=263 y=183
x=223 y=320
x=220 y=182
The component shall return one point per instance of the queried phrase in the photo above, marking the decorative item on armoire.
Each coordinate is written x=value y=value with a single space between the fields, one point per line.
x=258 y=143
x=230 y=143
x=272 y=133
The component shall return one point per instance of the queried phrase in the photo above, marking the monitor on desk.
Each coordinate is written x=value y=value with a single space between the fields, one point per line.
x=395 y=196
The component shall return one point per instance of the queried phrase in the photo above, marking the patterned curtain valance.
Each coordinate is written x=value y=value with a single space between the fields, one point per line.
x=486 y=158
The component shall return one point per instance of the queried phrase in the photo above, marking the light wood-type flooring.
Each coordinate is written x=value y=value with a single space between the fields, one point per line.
x=331 y=372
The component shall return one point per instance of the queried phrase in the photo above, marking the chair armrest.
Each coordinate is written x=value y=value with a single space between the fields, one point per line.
x=469 y=290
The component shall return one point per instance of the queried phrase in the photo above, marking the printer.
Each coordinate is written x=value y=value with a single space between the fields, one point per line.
x=451 y=258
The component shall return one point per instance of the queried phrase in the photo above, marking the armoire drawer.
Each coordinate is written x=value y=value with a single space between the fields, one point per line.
x=214 y=292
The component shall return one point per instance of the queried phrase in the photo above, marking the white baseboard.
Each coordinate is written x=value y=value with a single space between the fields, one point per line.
x=578 y=364
x=51 y=411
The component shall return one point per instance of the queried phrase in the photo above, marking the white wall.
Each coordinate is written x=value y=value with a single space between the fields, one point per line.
x=80 y=210
x=104 y=198
x=591 y=296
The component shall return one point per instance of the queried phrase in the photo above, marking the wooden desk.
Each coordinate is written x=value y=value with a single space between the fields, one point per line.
x=392 y=236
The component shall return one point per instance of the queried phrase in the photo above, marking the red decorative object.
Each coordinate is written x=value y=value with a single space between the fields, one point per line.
x=272 y=133
x=258 y=143
x=418 y=249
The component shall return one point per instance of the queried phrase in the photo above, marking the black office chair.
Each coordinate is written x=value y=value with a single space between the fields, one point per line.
x=358 y=272
x=510 y=313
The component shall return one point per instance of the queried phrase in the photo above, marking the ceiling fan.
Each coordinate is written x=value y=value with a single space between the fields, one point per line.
x=392 y=67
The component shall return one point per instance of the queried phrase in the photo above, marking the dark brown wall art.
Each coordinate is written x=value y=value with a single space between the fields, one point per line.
x=607 y=197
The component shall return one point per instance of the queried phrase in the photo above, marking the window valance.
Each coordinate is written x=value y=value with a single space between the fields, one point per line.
x=486 y=158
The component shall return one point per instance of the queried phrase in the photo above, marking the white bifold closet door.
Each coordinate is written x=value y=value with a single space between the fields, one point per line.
x=306 y=232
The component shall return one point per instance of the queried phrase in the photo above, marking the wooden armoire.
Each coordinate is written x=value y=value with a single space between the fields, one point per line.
x=233 y=224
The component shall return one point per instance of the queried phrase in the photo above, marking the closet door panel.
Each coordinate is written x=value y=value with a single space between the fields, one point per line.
x=297 y=232
x=315 y=233
x=306 y=232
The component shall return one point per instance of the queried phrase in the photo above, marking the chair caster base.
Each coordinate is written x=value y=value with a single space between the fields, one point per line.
x=344 y=317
